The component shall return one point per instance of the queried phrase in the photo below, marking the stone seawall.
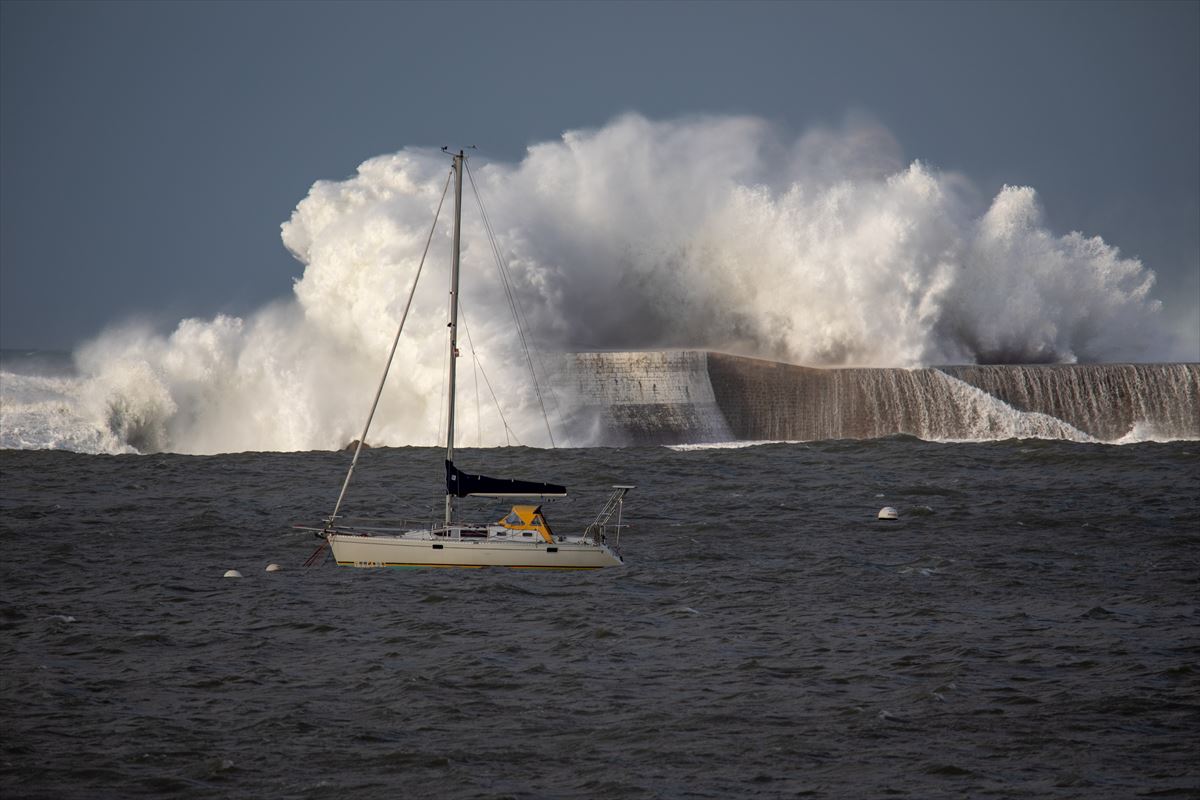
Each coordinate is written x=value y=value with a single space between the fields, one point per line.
x=669 y=397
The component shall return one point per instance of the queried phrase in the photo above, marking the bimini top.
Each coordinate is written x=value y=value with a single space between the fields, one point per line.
x=462 y=484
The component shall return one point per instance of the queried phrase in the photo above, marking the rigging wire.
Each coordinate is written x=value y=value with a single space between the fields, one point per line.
x=519 y=316
x=479 y=362
x=391 y=354
x=475 y=373
x=522 y=322
x=441 y=426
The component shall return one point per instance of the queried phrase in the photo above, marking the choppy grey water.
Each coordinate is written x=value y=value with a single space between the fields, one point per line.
x=1029 y=628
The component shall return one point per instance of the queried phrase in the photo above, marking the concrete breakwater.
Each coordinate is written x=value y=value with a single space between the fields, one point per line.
x=676 y=397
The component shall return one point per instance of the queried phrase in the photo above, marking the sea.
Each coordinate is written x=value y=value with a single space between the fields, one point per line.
x=1028 y=627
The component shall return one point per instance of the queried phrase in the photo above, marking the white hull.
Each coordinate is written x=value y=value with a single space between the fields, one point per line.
x=401 y=551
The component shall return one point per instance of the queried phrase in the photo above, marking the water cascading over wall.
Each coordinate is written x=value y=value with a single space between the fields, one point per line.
x=694 y=396
x=1106 y=400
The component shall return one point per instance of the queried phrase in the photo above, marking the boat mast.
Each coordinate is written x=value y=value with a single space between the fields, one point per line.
x=458 y=173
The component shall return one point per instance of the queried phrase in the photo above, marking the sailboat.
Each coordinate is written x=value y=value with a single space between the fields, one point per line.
x=522 y=538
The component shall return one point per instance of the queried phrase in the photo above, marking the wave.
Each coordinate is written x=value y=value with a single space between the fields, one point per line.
x=707 y=232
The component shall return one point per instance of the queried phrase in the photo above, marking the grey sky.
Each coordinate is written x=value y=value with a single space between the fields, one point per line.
x=149 y=151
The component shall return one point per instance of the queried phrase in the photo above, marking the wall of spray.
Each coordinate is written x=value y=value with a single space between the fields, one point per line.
x=714 y=233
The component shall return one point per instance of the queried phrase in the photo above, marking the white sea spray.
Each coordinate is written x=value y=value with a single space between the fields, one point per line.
x=705 y=232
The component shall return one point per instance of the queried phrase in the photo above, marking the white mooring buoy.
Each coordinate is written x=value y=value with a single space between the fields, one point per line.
x=273 y=568
x=887 y=512
x=233 y=573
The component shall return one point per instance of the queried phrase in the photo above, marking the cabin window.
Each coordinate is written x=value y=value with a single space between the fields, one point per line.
x=527 y=533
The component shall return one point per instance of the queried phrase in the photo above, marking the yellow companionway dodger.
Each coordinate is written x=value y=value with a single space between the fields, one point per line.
x=528 y=518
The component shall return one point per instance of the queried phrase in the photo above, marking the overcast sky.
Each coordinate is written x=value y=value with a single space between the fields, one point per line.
x=150 y=151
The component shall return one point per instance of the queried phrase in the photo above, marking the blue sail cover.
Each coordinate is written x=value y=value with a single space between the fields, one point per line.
x=462 y=484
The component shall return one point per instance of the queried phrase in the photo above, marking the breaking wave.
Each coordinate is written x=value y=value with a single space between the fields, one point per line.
x=710 y=232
